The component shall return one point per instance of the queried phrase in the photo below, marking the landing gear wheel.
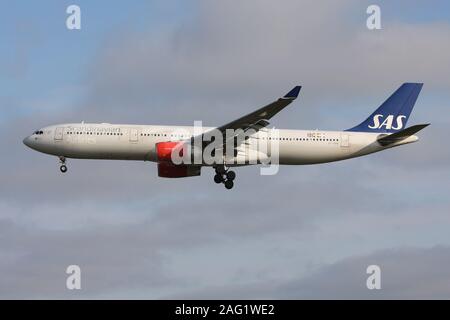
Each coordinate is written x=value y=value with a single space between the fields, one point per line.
x=229 y=184
x=231 y=175
x=62 y=161
x=218 y=178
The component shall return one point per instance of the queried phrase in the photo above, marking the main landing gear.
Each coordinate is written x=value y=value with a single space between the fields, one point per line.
x=63 y=166
x=224 y=176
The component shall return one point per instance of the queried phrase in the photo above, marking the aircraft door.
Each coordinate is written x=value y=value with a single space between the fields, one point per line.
x=134 y=135
x=345 y=143
x=59 y=133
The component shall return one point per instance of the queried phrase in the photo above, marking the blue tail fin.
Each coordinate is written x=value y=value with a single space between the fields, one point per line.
x=393 y=114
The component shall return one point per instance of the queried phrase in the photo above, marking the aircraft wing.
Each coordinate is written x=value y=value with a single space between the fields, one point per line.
x=260 y=118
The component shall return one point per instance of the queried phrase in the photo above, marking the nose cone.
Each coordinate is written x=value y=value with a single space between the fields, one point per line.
x=27 y=141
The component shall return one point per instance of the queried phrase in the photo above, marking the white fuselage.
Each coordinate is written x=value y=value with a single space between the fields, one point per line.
x=138 y=142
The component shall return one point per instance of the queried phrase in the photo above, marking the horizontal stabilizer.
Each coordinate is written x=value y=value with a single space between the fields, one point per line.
x=386 y=140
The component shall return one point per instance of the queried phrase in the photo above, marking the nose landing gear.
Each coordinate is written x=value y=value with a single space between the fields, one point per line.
x=63 y=167
x=224 y=176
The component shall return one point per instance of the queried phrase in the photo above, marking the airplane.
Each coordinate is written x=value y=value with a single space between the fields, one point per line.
x=382 y=130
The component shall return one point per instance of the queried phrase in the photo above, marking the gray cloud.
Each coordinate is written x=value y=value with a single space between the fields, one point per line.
x=406 y=273
x=234 y=58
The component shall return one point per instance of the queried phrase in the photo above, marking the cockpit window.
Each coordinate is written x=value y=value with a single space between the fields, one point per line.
x=39 y=132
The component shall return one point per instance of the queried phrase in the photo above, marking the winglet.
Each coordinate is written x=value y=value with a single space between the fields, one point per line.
x=293 y=94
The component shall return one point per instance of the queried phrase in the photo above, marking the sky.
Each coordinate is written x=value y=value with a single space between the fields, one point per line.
x=308 y=232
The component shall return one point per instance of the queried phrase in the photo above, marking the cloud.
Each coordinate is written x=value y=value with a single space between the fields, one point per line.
x=406 y=273
x=34 y=262
x=232 y=52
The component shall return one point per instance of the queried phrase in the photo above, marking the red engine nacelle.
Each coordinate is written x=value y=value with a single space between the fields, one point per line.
x=166 y=167
x=168 y=170
x=164 y=150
